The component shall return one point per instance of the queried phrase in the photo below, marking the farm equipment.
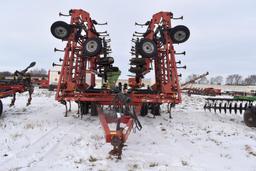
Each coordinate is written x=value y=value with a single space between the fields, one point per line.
x=194 y=79
x=154 y=50
x=51 y=81
x=237 y=104
x=209 y=91
x=203 y=91
x=88 y=51
x=44 y=84
x=20 y=83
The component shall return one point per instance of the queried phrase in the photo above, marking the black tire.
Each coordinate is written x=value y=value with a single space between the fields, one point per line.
x=94 y=111
x=137 y=70
x=179 y=34
x=147 y=48
x=84 y=108
x=137 y=61
x=60 y=30
x=1 y=108
x=250 y=116
x=92 y=47
x=106 y=61
x=113 y=69
x=81 y=108
x=155 y=109
x=51 y=87
x=144 y=109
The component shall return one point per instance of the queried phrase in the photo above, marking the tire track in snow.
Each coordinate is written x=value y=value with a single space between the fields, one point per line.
x=37 y=150
x=69 y=141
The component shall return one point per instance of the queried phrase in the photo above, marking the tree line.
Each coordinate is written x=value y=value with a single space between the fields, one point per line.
x=34 y=72
x=233 y=79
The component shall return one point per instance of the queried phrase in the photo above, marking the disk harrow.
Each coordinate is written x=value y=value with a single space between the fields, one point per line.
x=87 y=55
x=20 y=83
x=238 y=104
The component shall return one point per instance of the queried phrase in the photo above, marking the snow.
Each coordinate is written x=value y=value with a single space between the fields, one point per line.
x=39 y=138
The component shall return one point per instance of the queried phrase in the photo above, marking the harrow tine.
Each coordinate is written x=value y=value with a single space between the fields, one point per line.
x=220 y=107
x=241 y=108
x=235 y=108
x=210 y=107
x=215 y=106
x=205 y=105
x=245 y=106
x=230 y=107
x=225 y=108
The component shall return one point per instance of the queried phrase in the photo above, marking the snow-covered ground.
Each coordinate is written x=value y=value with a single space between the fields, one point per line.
x=39 y=138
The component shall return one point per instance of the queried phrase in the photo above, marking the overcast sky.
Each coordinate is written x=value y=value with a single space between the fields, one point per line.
x=223 y=32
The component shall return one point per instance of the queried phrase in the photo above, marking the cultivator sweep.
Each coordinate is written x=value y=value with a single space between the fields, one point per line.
x=87 y=55
x=237 y=104
x=20 y=83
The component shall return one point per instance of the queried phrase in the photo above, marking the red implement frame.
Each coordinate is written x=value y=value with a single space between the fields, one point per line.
x=72 y=84
x=10 y=88
x=73 y=72
x=166 y=77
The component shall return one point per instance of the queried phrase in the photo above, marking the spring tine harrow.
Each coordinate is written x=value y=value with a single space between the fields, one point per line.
x=232 y=105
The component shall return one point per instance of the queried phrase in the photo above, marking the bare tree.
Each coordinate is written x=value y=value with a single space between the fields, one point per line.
x=218 y=80
x=5 y=73
x=250 y=80
x=234 y=79
x=38 y=72
x=203 y=80
x=191 y=77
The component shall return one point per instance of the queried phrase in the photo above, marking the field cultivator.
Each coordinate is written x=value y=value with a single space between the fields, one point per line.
x=87 y=56
x=20 y=83
x=237 y=104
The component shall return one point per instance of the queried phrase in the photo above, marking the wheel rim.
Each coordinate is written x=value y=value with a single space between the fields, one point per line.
x=180 y=36
x=60 y=32
x=148 y=47
x=91 y=46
